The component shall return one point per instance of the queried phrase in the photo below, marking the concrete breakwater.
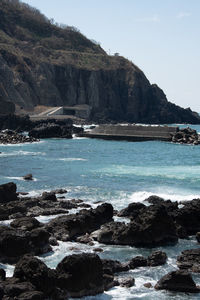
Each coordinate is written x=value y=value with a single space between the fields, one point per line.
x=132 y=132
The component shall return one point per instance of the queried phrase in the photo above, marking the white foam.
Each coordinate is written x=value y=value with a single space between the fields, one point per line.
x=18 y=178
x=21 y=152
x=141 y=196
x=73 y=159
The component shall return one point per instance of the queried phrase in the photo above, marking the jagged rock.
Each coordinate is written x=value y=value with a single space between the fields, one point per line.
x=33 y=270
x=81 y=275
x=132 y=210
x=15 y=243
x=2 y=274
x=49 y=196
x=8 y=192
x=179 y=281
x=189 y=260
x=86 y=221
x=153 y=226
x=148 y=285
x=51 y=131
x=127 y=282
x=26 y=223
x=186 y=136
x=157 y=258
x=138 y=261
x=114 y=266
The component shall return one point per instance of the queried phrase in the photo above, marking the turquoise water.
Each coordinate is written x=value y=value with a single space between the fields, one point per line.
x=118 y=172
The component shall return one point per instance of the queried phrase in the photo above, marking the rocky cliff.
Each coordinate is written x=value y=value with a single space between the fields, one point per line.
x=42 y=63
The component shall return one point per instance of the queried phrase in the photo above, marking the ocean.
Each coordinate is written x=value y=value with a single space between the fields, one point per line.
x=117 y=172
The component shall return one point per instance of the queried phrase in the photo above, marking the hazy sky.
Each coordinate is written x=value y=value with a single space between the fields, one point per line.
x=162 y=37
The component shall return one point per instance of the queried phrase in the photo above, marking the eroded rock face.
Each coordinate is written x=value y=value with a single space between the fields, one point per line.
x=179 y=281
x=86 y=221
x=50 y=130
x=15 y=243
x=81 y=275
x=153 y=226
x=189 y=260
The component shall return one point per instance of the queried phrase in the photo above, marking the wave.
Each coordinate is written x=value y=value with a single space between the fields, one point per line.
x=21 y=152
x=18 y=178
x=72 y=159
x=142 y=195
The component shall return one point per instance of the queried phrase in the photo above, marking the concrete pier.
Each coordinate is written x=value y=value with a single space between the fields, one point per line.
x=131 y=132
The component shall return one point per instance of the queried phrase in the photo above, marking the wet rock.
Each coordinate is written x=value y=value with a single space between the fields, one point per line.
x=49 y=196
x=138 y=261
x=33 y=270
x=59 y=191
x=26 y=223
x=189 y=260
x=15 y=243
x=8 y=192
x=98 y=250
x=74 y=225
x=111 y=267
x=148 y=285
x=85 y=239
x=187 y=217
x=157 y=258
x=127 y=282
x=152 y=227
x=179 y=281
x=28 y=177
x=81 y=275
x=132 y=210
x=53 y=241
x=34 y=295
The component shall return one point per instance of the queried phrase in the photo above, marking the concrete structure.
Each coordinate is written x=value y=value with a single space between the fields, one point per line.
x=132 y=132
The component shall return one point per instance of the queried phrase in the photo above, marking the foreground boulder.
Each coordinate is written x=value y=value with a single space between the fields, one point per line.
x=31 y=269
x=81 y=275
x=8 y=192
x=189 y=260
x=26 y=223
x=178 y=281
x=15 y=243
x=152 y=227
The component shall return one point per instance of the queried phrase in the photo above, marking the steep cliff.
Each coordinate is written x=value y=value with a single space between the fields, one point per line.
x=44 y=64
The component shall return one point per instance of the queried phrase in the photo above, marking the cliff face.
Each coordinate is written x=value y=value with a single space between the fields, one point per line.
x=43 y=64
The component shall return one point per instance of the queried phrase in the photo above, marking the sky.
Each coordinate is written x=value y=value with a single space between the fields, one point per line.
x=162 y=37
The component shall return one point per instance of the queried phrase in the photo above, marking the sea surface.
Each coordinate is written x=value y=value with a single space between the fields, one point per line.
x=117 y=172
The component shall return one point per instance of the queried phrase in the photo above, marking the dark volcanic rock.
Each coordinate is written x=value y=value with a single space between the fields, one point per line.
x=25 y=223
x=49 y=196
x=132 y=210
x=157 y=258
x=15 y=243
x=86 y=221
x=179 y=281
x=8 y=192
x=113 y=266
x=50 y=130
x=188 y=216
x=189 y=260
x=127 y=282
x=138 y=261
x=28 y=177
x=186 y=136
x=153 y=226
x=12 y=137
x=33 y=270
x=81 y=275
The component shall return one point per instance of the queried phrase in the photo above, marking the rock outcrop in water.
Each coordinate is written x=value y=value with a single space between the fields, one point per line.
x=12 y=137
x=43 y=64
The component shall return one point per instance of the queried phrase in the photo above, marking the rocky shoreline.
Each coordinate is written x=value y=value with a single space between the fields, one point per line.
x=11 y=127
x=152 y=223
